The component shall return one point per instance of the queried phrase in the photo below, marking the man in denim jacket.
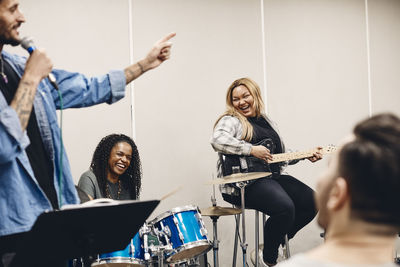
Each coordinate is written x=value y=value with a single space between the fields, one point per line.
x=28 y=104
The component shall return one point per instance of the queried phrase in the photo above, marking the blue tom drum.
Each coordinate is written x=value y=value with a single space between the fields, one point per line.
x=184 y=230
x=131 y=256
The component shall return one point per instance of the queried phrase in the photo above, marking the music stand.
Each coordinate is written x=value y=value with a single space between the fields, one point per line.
x=65 y=234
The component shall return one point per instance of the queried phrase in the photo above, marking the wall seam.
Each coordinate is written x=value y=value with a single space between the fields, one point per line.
x=368 y=59
x=264 y=57
x=131 y=61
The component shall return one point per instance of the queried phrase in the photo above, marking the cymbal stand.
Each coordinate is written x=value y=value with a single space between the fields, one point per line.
x=215 y=230
x=215 y=240
x=243 y=244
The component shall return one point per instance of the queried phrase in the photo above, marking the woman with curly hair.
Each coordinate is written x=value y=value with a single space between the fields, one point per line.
x=115 y=171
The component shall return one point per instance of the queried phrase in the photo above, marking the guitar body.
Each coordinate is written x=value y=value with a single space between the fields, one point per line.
x=253 y=164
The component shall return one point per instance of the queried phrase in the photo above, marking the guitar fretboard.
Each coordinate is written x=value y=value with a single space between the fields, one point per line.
x=300 y=155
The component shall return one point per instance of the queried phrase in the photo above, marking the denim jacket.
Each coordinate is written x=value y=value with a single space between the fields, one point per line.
x=21 y=198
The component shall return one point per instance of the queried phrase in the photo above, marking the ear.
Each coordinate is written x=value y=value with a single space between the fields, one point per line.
x=338 y=195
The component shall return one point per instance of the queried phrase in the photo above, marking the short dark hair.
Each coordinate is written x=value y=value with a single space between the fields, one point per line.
x=371 y=165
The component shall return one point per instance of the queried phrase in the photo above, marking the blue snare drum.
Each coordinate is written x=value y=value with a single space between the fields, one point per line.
x=131 y=256
x=184 y=230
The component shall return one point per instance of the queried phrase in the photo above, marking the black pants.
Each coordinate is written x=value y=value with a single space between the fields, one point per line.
x=289 y=204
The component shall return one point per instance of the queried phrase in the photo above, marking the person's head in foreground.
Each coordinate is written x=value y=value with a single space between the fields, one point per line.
x=358 y=196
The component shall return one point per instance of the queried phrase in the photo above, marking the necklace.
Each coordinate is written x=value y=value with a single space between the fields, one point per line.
x=108 y=195
x=2 y=70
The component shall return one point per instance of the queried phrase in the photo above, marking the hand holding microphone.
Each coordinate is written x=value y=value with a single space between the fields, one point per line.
x=38 y=64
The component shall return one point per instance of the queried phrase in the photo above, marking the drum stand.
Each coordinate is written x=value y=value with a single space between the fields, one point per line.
x=215 y=232
x=160 y=254
x=144 y=233
x=159 y=251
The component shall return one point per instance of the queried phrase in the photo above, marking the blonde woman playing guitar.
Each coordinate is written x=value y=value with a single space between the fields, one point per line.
x=288 y=202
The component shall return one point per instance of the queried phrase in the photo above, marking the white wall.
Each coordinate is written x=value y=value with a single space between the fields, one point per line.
x=316 y=67
x=317 y=72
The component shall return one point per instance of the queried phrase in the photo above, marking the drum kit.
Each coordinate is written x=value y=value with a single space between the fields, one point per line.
x=177 y=237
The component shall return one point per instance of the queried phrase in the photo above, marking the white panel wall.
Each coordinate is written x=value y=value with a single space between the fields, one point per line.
x=385 y=57
x=316 y=69
x=177 y=105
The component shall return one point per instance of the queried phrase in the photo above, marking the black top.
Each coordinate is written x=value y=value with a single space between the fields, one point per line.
x=114 y=188
x=37 y=155
x=263 y=130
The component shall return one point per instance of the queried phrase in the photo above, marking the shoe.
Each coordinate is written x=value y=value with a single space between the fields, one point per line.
x=261 y=262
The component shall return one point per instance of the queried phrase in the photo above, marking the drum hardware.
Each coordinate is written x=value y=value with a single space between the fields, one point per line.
x=165 y=233
x=243 y=243
x=203 y=230
x=193 y=262
x=160 y=254
x=143 y=233
x=241 y=181
x=214 y=212
x=177 y=228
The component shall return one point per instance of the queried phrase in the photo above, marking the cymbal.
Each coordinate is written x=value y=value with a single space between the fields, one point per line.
x=239 y=177
x=219 y=211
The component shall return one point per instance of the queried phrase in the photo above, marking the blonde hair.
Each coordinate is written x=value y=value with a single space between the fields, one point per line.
x=255 y=92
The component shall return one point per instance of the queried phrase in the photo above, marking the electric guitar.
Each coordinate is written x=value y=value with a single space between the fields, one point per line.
x=257 y=165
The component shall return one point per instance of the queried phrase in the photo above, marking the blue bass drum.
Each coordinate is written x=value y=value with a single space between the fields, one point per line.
x=184 y=230
x=131 y=256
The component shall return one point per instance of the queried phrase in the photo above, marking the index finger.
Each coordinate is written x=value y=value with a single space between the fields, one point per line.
x=167 y=37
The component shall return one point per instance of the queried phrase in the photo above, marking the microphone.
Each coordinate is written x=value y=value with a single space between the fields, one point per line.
x=28 y=44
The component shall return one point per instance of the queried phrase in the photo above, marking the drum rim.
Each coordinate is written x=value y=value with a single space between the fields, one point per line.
x=119 y=260
x=189 y=246
x=174 y=210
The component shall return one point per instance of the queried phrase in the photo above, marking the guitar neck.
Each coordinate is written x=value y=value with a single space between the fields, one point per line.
x=280 y=157
x=291 y=156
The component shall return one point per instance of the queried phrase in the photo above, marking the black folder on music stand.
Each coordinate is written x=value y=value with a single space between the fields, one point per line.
x=72 y=233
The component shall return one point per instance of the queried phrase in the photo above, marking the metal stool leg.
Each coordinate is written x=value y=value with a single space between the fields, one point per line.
x=286 y=249
x=237 y=218
x=256 y=237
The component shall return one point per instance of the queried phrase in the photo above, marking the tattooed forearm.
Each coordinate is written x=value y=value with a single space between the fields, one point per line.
x=133 y=71
x=23 y=101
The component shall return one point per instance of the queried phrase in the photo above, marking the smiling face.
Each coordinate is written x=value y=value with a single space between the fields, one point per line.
x=243 y=101
x=11 y=19
x=119 y=161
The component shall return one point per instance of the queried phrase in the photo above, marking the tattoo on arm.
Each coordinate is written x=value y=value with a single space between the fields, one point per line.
x=133 y=71
x=23 y=101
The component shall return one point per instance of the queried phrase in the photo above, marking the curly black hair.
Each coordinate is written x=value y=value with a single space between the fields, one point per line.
x=131 y=178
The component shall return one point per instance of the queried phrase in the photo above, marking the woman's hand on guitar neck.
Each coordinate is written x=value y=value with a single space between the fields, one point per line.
x=261 y=152
x=317 y=155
